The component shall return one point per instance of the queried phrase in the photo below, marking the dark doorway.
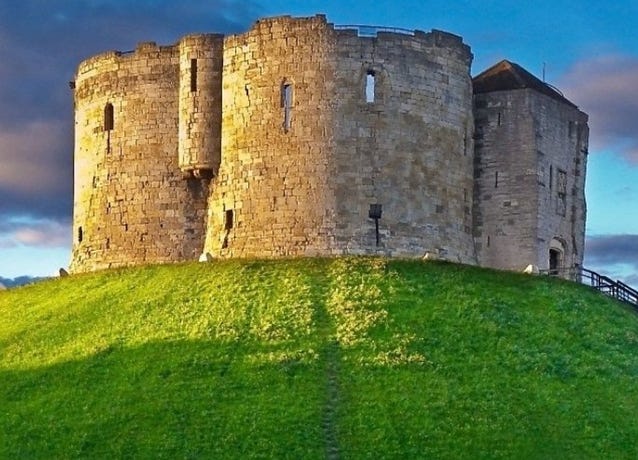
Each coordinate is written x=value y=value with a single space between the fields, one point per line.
x=554 y=261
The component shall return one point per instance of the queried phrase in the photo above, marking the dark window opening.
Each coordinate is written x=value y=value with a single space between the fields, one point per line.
x=80 y=235
x=496 y=179
x=108 y=117
x=286 y=103
x=551 y=177
x=488 y=241
x=228 y=219
x=370 y=86
x=193 y=74
x=498 y=121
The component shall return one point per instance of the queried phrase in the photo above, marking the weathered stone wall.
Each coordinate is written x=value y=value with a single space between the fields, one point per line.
x=407 y=147
x=522 y=138
x=562 y=144
x=271 y=197
x=131 y=204
x=307 y=188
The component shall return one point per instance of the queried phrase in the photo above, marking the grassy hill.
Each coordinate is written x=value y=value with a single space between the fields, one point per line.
x=316 y=358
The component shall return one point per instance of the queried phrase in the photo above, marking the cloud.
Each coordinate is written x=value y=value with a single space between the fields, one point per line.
x=613 y=255
x=613 y=249
x=39 y=233
x=603 y=86
x=36 y=177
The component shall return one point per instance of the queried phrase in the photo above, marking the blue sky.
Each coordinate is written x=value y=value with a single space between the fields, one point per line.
x=588 y=48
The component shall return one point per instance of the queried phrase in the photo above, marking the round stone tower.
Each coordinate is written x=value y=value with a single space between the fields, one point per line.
x=345 y=140
x=273 y=194
x=131 y=204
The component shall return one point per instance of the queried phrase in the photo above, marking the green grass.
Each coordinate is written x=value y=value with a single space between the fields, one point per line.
x=316 y=358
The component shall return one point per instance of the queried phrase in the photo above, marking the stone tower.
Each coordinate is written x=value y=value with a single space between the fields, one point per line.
x=530 y=164
x=131 y=203
x=322 y=126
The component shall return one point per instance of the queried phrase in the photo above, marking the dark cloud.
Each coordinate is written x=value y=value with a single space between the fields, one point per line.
x=613 y=249
x=613 y=255
x=605 y=88
x=41 y=44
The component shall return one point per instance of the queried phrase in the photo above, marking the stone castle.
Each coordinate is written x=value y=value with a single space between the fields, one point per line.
x=301 y=138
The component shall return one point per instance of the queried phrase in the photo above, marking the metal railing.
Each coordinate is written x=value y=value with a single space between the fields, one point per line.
x=616 y=289
x=372 y=31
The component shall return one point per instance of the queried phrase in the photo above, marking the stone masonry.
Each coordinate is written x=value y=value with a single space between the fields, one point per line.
x=301 y=138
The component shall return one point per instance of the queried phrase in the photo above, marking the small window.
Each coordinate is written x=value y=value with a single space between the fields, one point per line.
x=286 y=103
x=193 y=75
x=551 y=177
x=108 y=117
x=496 y=179
x=80 y=235
x=498 y=121
x=370 y=83
x=228 y=219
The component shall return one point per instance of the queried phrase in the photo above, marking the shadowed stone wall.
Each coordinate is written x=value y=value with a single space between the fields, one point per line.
x=409 y=150
x=530 y=179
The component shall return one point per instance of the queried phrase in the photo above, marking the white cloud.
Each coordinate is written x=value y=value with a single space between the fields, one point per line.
x=35 y=233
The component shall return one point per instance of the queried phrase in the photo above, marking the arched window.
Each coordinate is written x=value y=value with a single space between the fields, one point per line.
x=108 y=117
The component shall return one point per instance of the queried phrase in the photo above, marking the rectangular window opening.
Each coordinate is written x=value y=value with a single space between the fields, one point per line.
x=228 y=219
x=286 y=102
x=80 y=235
x=498 y=122
x=193 y=75
x=496 y=179
x=370 y=84
x=108 y=117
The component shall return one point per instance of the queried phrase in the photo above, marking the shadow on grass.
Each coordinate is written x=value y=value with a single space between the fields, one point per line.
x=170 y=400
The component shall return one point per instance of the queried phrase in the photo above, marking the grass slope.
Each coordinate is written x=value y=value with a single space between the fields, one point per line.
x=316 y=358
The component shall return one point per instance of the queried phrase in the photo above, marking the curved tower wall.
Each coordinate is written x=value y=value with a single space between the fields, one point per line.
x=308 y=188
x=200 y=78
x=131 y=204
x=272 y=195
x=408 y=148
